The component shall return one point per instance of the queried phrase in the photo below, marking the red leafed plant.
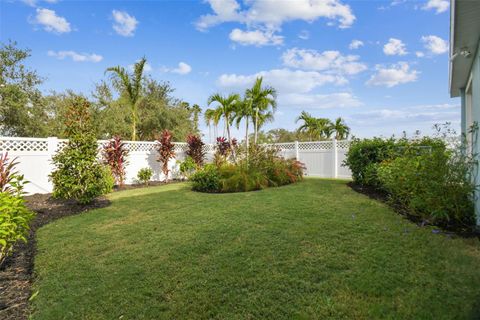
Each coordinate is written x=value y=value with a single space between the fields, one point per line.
x=165 y=151
x=195 y=149
x=115 y=156
x=7 y=173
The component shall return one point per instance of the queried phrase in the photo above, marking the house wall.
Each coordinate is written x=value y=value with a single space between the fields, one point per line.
x=475 y=115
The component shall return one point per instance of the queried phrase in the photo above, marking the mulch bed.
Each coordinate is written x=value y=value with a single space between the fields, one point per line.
x=16 y=274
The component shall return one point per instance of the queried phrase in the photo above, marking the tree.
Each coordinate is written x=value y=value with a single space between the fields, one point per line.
x=21 y=107
x=131 y=86
x=226 y=108
x=213 y=116
x=341 y=129
x=316 y=128
x=244 y=112
x=78 y=174
x=263 y=98
x=196 y=110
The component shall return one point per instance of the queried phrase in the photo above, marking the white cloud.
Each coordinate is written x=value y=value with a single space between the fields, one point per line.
x=417 y=114
x=51 y=22
x=257 y=38
x=435 y=45
x=272 y=14
x=304 y=35
x=319 y=101
x=77 y=57
x=284 y=80
x=419 y=54
x=438 y=5
x=124 y=24
x=183 y=68
x=393 y=75
x=355 y=44
x=394 y=47
x=329 y=61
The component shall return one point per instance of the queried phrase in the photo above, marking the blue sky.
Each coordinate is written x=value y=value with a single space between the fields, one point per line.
x=381 y=65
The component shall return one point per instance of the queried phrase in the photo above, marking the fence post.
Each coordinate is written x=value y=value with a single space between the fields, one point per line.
x=52 y=143
x=297 y=155
x=335 y=157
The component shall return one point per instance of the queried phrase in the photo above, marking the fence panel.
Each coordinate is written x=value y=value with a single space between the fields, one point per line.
x=34 y=157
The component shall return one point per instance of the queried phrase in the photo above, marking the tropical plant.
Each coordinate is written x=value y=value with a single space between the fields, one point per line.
x=340 y=128
x=315 y=128
x=115 y=154
x=263 y=104
x=144 y=175
x=196 y=110
x=78 y=175
x=226 y=108
x=187 y=167
x=10 y=180
x=131 y=86
x=196 y=149
x=166 y=151
x=14 y=222
x=212 y=116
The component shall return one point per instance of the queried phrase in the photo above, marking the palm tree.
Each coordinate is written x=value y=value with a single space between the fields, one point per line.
x=262 y=99
x=341 y=129
x=226 y=108
x=131 y=86
x=324 y=128
x=196 y=110
x=309 y=126
x=244 y=111
x=212 y=116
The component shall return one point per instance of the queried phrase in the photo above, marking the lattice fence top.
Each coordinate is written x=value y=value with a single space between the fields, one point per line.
x=283 y=146
x=344 y=144
x=23 y=145
x=317 y=145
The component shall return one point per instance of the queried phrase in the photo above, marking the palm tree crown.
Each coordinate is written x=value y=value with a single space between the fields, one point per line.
x=131 y=86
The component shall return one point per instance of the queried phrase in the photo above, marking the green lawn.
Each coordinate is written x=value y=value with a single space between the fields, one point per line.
x=313 y=250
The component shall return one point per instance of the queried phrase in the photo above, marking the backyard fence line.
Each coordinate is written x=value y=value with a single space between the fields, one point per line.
x=34 y=156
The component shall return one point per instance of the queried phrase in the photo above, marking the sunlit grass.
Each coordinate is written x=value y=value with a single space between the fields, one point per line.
x=313 y=250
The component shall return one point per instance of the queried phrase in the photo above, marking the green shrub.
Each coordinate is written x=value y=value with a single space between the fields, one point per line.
x=14 y=222
x=144 y=175
x=262 y=170
x=432 y=184
x=78 y=175
x=364 y=157
x=187 y=167
x=206 y=179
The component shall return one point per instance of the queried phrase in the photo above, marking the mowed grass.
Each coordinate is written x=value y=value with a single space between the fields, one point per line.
x=314 y=250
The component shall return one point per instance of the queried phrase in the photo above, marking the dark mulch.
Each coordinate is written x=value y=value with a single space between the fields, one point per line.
x=16 y=274
x=448 y=230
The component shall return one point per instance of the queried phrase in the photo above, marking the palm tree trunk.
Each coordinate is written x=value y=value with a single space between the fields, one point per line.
x=246 y=136
x=230 y=139
x=256 y=126
x=134 y=123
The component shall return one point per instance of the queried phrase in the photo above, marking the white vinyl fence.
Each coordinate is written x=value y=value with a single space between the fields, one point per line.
x=322 y=158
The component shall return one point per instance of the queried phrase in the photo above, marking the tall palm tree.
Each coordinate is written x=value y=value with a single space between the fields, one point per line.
x=196 y=110
x=226 y=107
x=341 y=129
x=131 y=86
x=263 y=98
x=213 y=116
x=244 y=111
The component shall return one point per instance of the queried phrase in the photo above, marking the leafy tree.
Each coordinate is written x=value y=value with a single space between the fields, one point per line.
x=21 y=108
x=130 y=85
x=212 y=116
x=78 y=175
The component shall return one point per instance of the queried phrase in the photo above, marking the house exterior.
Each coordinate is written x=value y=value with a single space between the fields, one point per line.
x=465 y=72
